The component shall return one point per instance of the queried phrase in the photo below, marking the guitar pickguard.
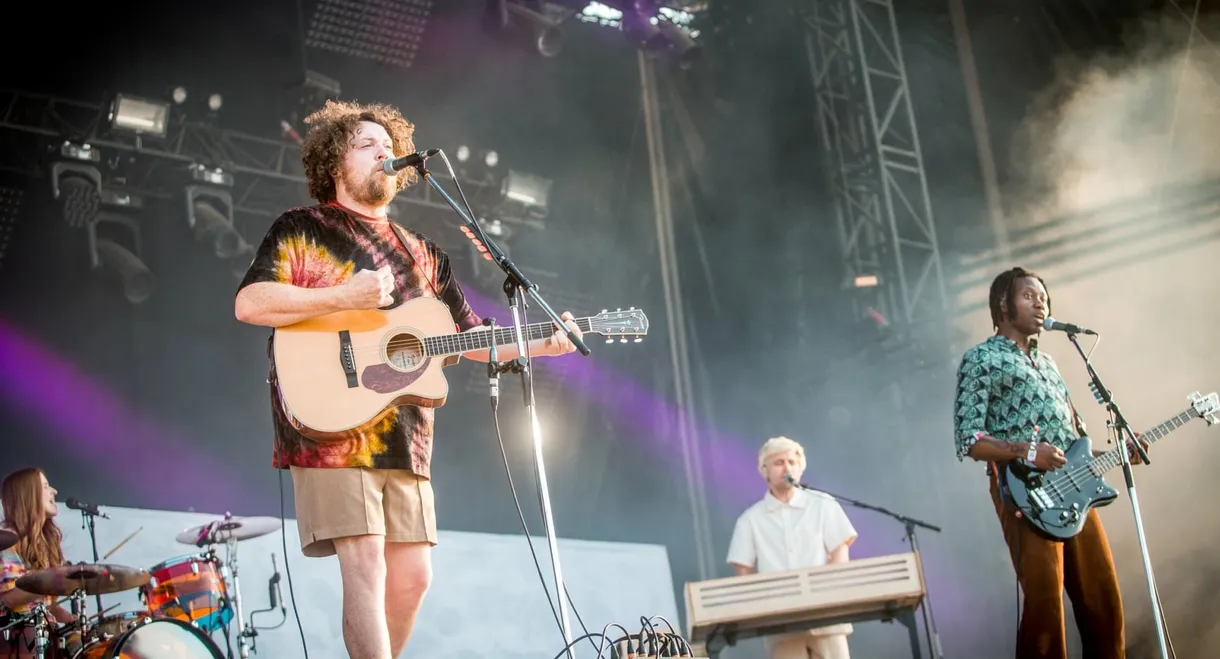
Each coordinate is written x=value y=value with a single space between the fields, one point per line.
x=385 y=379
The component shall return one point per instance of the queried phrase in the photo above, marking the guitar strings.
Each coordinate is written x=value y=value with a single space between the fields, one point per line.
x=1070 y=476
x=465 y=341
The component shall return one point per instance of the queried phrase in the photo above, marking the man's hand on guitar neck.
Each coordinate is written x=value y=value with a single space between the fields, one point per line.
x=1132 y=454
x=559 y=343
x=552 y=346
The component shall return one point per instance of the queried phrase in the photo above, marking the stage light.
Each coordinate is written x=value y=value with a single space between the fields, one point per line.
x=139 y=116
x=124 y=260
x=179 y=95
x=215 y=101
x=77 y=189
x=866 y=281
x=10 y=208
x=549 y=36
x=529 y=191
x=491 y=158
x=463 y=153
x=209 y=211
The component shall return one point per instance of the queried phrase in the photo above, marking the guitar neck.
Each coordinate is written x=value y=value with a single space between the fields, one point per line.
x=1112 y=458
x=462 y=342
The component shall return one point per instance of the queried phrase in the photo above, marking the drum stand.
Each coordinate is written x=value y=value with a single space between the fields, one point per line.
x=42 y=633
x=230 y=570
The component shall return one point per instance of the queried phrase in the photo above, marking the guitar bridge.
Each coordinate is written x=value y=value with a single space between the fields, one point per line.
x=347 y=359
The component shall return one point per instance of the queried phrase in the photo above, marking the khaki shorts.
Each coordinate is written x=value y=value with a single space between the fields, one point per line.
x=346 y=502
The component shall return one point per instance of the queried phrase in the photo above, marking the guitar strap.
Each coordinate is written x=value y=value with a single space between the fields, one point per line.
x=402 y=238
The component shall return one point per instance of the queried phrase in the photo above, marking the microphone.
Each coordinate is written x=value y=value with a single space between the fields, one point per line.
x=87 y=508
x=391 y=167
x=273 y=587
x=1056 y=326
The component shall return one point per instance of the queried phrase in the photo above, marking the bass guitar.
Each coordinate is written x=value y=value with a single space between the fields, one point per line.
x=341 y=373
x=1057 y=502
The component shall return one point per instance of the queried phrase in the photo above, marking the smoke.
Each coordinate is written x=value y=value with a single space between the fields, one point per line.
x=1119 y=127
x=1116 y=202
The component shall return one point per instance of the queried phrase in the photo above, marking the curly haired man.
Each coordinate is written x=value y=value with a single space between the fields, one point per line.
x=368 y=497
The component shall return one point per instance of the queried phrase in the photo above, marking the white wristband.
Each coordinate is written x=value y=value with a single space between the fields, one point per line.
x=1033 y=452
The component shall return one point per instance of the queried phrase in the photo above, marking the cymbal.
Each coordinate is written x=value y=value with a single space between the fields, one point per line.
x=8 y=539
x=93 y=578
x=233 y=528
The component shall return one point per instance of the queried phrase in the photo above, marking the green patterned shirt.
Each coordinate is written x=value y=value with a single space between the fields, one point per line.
x=1005 y=393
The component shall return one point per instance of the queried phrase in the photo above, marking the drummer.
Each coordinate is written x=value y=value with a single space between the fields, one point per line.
x=29 y=511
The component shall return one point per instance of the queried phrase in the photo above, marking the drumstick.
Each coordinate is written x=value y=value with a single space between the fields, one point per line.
x=116 y=547
x=104 y=611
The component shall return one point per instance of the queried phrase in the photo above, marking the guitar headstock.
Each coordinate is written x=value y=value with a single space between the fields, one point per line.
x=620 y=324
x=1206 y=406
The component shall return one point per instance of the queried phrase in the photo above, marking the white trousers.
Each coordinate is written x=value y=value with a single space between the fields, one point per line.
x=808 y=646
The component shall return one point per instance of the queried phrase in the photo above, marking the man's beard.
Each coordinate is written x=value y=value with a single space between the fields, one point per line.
x=375 y=190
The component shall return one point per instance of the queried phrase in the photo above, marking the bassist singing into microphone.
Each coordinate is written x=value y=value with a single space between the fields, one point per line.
x=1013 y=405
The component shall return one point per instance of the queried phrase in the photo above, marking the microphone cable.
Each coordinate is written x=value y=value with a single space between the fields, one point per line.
x=288 y=569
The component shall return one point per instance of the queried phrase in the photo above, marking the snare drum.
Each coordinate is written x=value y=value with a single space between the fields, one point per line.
x=154 y=639
x=190 y=589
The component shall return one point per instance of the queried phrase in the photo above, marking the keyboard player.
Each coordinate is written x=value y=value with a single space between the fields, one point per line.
x=789 y=529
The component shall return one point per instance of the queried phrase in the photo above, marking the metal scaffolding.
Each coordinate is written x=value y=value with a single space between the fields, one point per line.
x=267 y=173
x=873 y=160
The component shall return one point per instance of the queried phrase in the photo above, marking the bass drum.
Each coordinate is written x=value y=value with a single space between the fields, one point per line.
x=161 y=638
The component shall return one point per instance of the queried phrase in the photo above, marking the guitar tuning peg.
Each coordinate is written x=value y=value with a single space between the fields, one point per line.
x=631 y=309
x=610 y=340
x=618 y=309
x=638 y=340
x=603 y=311
x=623 y=340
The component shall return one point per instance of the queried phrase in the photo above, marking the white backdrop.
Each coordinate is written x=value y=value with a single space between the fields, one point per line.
x=485 y=600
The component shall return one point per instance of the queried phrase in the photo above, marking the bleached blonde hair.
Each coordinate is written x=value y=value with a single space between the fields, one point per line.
x=778 y=445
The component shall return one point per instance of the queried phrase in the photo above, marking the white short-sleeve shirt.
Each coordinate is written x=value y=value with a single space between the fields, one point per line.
x=773 y=536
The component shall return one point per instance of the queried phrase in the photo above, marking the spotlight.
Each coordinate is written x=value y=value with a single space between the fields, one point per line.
x=530 y=15
x=179 y=95
x=215 y=101
x=528 y=191
x=77 y=186
x=659 y=35
x=139 y=116
x=104 y=252
x=491 y=158
x=463 y=153
x=549 y=35
x=866 y=281
x=209 y=211
x=210 y=215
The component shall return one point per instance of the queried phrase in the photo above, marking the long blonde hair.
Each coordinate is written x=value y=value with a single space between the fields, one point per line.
x=25 y=510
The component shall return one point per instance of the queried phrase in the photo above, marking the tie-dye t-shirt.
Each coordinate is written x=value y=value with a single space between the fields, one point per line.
x=322 y=246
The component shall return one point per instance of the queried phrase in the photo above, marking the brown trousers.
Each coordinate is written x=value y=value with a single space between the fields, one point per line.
x=1083 y=566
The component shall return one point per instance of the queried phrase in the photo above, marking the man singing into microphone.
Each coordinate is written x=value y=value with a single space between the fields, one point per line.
x=368 y=497
x=1012 y=404
x=792 y=528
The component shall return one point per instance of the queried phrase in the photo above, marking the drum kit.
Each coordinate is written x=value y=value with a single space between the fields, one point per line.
x=186 y=599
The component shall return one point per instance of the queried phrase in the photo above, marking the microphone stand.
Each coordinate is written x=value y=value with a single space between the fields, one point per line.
x=908 y=523
x=1106 y=398
x=87 y=522
x=514 y=283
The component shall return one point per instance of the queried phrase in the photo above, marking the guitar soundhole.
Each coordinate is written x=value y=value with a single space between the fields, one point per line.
x=404 y=352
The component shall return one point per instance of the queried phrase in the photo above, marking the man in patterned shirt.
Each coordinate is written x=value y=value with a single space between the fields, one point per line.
x=1012 y=404
x=366 y=498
